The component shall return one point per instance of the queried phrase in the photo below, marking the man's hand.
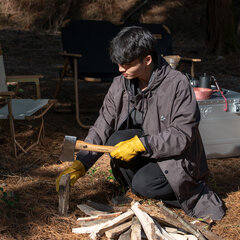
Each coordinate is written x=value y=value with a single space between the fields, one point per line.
x=76 y=171
x=128 y=149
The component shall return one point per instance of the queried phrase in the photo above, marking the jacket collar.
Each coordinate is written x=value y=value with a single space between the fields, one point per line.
x=158 y=75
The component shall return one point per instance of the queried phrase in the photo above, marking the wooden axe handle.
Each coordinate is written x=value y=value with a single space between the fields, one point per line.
x=81 y=145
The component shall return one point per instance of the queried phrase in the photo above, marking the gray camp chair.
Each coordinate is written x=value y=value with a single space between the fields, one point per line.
x=21 y=109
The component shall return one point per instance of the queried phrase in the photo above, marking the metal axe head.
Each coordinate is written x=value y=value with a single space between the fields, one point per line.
x=67 y=154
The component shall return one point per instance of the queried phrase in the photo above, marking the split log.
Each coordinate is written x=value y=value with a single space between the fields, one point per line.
x=157 y=213
x=171 y=229
x=183 y=237
x=151 y=230
x=98 y=230
x=98 y=217
x=100 y=206
x=108 y=225
x=92 y=223
x=187 y=226
x=89 y=210
x=146 y=222
x=107 y=208
x=136 y=229
x=115 y=232
x=90 y=229
x=63 y=194
x=126 y=235
x=164 y=214
x=179 y=234
x=164 y=233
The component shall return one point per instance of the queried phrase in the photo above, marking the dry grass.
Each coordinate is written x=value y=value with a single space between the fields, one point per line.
x=49 y=15
x=34 y=15
x=35 y=215
x=32 y=177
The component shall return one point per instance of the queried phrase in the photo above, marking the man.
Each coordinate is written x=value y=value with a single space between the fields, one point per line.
x=150 y=113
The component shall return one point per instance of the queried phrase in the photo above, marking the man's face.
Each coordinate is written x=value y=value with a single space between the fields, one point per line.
x=134 y=69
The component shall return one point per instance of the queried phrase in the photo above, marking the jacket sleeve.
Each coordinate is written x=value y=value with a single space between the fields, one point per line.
x=184 y=117
x=101 y=130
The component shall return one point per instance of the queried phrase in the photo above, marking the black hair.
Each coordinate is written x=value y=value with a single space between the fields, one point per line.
x=132 y=43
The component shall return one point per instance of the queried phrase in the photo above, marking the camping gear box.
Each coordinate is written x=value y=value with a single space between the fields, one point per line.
x=220 y=127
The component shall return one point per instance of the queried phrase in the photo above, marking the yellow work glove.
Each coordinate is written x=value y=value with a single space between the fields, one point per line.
x=128 y=149
x=76 y=171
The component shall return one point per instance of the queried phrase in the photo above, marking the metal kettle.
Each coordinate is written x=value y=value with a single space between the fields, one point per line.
x=205 y=81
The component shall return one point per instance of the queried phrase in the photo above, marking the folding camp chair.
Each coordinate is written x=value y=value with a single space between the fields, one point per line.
x=21 y=109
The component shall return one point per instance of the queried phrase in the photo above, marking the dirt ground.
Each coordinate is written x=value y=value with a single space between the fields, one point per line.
x=29 y=181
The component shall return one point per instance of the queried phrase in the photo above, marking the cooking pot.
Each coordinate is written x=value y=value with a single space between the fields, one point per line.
x=205 y=81
x=202 y=93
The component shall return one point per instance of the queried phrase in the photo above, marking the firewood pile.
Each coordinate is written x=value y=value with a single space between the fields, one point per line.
x=141 y=221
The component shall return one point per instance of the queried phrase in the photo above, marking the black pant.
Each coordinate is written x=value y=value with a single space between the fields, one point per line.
x=142 y=175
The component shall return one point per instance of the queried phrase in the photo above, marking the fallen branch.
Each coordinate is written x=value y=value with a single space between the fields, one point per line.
x=204 y=230
x=185 y=224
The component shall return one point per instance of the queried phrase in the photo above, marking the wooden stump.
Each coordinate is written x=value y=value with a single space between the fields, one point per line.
x=64 y=193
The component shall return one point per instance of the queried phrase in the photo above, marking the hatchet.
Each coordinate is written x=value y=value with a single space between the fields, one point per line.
x=71 y=144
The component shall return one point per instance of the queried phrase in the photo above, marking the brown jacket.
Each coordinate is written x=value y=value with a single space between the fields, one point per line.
x=171 y=117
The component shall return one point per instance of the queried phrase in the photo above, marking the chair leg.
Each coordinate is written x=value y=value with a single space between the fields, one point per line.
x=12 y=131
x=76 y=95
x=63 y=72
x=11 y=125
x=41 y=134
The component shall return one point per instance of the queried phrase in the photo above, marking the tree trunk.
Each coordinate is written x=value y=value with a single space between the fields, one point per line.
x=221 y=27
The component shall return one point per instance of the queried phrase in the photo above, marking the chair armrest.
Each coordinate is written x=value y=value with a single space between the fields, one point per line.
x=24 y=78
x=192 y=61
x=66 y=54
x=51 y=103
x=186 y=59
x=5 y=94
